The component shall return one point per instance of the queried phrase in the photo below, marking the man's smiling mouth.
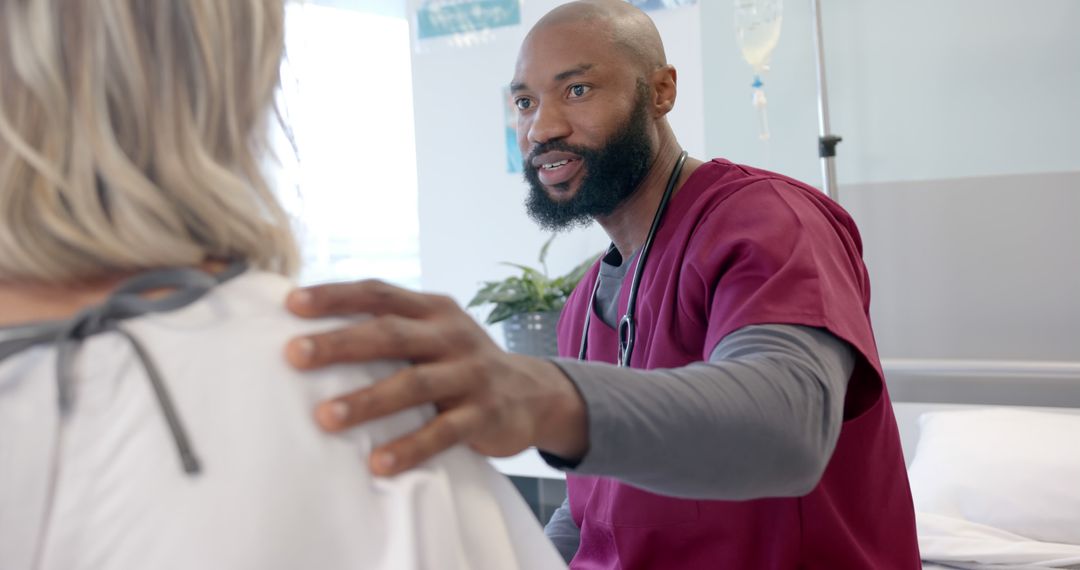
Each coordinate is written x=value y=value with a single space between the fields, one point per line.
x=553 y=165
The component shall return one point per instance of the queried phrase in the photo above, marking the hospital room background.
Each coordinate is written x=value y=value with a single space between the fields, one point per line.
x=960 y=162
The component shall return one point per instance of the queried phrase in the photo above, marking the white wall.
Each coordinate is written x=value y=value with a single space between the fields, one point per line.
x=919 y=90
x=960 y=160
x=472 y=213
x=389 y=8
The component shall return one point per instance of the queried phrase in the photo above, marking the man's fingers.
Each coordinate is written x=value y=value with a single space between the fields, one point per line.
x=409 y=387
x=387 y=337
x=446 y=430
x=371 y=296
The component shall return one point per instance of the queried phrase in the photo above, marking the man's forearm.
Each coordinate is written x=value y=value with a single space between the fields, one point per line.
x=759 y=420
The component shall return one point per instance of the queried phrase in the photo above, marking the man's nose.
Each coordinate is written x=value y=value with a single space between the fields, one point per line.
x=548 y=124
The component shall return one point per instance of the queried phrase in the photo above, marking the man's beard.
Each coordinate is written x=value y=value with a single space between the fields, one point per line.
x=612 y=174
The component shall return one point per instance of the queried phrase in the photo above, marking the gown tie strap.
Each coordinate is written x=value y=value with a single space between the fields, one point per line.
x=125 y=302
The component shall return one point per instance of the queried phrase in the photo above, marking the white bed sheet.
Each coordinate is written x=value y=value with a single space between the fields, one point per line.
x=995 y=488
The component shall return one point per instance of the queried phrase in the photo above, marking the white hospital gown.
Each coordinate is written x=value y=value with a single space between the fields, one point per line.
x=104 y=489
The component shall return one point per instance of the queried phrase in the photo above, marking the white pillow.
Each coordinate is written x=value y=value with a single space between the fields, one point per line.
x=1011 y=469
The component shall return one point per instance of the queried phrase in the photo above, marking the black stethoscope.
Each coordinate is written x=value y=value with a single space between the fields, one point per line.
x=628 y=323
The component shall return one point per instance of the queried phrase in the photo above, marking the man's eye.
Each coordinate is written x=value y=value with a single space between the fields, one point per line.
x=578 y=90
x=523 y=104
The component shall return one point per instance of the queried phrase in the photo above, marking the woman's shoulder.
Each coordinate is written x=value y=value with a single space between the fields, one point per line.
x=238 y=334
x=243 y=311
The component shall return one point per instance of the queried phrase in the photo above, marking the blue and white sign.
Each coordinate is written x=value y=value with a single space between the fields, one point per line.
x=435 y=18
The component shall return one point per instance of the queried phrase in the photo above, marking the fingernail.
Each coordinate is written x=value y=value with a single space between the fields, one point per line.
x=339 y=411
x=331 y=415
x=301 y=297
x=384 y=461
x=306 y=348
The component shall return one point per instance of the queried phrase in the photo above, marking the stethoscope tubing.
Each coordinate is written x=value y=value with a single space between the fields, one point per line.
x=628 y=323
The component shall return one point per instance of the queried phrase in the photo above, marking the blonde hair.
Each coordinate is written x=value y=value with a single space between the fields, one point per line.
x=132 y=135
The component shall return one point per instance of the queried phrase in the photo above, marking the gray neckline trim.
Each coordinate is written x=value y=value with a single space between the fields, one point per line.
x=126 y=302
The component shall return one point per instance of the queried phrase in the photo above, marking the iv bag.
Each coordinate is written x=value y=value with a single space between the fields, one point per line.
x=757 y=30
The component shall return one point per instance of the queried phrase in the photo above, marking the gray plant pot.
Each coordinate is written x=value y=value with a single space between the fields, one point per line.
x=532 y=333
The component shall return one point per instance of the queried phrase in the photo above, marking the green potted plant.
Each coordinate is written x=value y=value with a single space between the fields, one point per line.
x=529 y=304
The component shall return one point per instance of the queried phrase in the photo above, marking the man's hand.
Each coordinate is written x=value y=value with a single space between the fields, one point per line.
x=497 y=403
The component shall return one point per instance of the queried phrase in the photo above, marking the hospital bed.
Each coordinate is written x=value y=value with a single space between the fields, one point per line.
x=1011 y=459
x=993 y=451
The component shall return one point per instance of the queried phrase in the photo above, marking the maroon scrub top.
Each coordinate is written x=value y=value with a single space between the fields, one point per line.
x=740 y=246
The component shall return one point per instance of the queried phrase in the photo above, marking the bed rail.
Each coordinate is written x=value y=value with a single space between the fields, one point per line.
x=984 y=382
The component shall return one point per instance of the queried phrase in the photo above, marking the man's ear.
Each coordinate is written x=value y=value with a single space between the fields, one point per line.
x=664 y=89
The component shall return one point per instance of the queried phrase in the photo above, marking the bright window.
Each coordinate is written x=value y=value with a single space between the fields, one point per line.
x=347 y=98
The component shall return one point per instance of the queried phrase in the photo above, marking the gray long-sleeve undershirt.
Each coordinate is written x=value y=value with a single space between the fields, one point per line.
x=770 y=399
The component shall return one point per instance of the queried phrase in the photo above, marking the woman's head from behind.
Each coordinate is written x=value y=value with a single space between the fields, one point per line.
x=132 y=134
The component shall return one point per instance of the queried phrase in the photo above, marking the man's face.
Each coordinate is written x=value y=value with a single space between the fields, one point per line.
x=584 y=125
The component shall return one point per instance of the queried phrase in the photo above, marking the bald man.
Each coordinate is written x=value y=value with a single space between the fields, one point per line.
x=749 y=427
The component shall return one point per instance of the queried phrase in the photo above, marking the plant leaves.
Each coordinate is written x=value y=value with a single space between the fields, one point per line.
x=544 y=252
x=532 y=291
x=529 y=273
x=483 y=296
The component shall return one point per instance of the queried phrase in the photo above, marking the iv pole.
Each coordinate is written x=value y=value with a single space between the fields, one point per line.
x=826 y=141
